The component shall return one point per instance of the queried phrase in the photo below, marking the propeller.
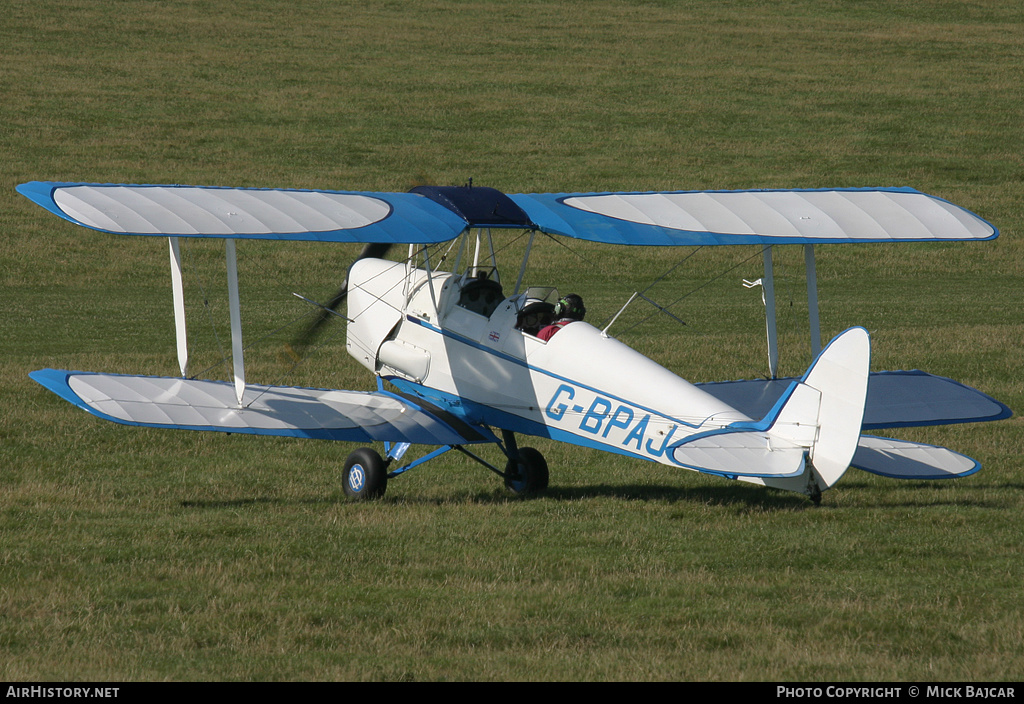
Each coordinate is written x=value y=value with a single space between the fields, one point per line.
x=374 y=250
x=473 y=204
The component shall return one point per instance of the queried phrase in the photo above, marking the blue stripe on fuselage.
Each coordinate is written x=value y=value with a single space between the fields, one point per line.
x=515 y=360
x=489 y=415
x=593 y=422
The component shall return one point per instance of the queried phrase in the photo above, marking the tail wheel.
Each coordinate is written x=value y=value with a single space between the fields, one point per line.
x=529 y=475
x=365 y=475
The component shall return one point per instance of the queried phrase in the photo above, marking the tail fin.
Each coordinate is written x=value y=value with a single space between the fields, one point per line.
x=807 y=441
x=831 y=397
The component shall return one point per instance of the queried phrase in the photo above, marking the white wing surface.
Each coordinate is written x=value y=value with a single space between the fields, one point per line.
x=437 y=214
x=195 y=404
x=248 y=213
x=900 y=459
x=755 y=217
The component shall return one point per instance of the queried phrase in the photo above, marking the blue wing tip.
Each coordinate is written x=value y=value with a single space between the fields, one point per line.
x=36 y=191
x=56 y=380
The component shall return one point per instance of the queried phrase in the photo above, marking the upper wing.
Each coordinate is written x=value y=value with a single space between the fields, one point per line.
x=195 y=404
x=249 y=213
x=754 y=217
x=437 y=214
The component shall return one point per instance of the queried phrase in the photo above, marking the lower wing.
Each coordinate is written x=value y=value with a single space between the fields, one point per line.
x=894 y=400
x=195 y=404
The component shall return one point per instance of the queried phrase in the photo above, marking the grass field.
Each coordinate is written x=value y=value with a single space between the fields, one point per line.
x=132 y=554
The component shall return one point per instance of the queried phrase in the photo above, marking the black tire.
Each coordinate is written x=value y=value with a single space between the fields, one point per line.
x=365 y=476
x=530 y=475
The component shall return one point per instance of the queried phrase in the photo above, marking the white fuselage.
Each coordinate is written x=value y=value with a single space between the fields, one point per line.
x=579 y=383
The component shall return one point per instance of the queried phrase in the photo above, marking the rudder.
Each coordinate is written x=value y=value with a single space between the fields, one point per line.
x=828 y=403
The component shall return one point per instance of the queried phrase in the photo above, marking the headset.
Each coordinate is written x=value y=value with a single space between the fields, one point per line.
x=570 y=306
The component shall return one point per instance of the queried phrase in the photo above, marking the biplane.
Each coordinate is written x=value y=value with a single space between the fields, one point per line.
x=455 y=349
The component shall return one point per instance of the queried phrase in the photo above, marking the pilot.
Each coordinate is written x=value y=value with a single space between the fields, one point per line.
x=569 y=309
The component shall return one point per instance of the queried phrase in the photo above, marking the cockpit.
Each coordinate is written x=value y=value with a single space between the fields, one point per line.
x=537 y=310
x=471 y=301
x=475 y=305
x=481 y=293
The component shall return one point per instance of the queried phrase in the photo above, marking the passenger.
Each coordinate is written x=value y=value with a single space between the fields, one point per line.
x=568 y=310
x=535 y=316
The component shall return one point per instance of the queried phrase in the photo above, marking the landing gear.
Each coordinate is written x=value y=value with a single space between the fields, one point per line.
x=365 y=475
x=813 y=486
x=528 y=475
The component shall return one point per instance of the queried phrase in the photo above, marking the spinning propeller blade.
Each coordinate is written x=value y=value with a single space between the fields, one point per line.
x=374 y=250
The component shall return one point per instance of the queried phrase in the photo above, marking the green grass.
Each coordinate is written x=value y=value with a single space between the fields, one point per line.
x=133 y=554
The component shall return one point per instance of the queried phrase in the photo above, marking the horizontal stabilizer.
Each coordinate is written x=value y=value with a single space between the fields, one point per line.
x=900 y=459
x=818 y=418
x=747 y=453
x=195 y=404
x=895 y=399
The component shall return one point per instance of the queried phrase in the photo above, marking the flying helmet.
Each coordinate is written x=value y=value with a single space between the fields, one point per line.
x=570 y=306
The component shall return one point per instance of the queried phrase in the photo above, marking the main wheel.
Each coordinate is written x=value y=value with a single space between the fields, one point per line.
x=529 y=475
x=365 y=476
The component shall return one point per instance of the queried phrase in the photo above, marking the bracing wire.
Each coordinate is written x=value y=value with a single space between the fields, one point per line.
x=268 y=274
x=692 y=291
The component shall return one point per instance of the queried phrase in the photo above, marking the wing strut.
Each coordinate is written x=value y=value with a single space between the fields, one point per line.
x=767 y=283
x=811 y=272
x=768 y=289
x=237 y=360
x=526 y=258
x=179 y=305
x=177 y=286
